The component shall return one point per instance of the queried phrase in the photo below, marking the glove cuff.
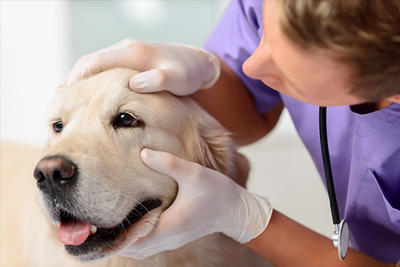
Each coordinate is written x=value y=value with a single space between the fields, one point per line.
x=253 y=215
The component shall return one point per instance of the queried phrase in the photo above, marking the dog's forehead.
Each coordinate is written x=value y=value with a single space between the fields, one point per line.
x=100 y=86
x=109 y=88
x=108 y=93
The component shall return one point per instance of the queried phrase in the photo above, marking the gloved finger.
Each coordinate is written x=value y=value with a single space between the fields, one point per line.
x=154 y=243
x=192 y=186
x=76 y=73
x=84 y=67
x=131 y=255
x=177 y=168
x=148 y=81
x=94 y=63
x=171 y=78
x=152 y=246
x=139 y=255
x=147 y=254
x=105 y=59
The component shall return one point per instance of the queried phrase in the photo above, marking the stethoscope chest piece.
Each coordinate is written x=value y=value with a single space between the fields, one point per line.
x=341 y=237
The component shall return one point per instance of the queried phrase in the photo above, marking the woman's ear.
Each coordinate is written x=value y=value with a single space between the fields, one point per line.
x=395 y=98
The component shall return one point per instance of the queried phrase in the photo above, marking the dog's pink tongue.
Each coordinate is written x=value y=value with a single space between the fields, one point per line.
x=73 y=232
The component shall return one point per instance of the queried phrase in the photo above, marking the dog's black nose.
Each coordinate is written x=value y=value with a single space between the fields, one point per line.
x=54 y=173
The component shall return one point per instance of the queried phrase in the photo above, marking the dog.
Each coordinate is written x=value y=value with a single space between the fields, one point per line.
x=95 y=196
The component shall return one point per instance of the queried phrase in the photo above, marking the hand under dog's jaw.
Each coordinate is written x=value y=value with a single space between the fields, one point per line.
x=88 y=242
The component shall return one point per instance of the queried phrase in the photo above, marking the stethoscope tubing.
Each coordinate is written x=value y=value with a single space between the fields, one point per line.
x=327 y=165
x=340 y=236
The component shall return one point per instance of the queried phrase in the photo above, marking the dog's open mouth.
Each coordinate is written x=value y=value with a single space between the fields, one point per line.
x=81 y=237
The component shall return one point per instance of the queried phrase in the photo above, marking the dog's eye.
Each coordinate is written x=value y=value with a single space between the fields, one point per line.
x=127 y=120
x=58 y=126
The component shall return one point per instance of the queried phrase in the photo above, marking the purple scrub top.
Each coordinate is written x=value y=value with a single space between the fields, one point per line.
x=364 y=149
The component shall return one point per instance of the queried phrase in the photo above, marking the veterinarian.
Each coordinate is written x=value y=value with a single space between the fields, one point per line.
x=260 y=58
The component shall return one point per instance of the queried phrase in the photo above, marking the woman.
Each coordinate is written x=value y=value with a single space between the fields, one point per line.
x=301 y=55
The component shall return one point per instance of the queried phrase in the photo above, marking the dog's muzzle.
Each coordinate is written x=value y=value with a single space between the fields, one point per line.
x=57 y=178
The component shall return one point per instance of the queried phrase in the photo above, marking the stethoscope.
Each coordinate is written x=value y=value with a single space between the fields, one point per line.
x=341 y=234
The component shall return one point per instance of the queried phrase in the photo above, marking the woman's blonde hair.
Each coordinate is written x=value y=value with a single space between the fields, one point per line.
x=365 y=34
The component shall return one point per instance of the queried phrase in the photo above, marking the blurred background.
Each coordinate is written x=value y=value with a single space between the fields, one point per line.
x=41 y=41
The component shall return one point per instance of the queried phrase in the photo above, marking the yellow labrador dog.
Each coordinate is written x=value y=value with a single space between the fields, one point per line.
x=95 y=195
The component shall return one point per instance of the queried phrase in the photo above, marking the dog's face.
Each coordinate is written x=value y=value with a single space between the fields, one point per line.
x=92 y=182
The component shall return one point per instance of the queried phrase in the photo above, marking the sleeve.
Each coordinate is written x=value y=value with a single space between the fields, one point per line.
x=234 y=39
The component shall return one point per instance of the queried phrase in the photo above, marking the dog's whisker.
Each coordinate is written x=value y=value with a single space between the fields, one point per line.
x=134 y=199
x=117 y=210
x=123 y=227
x=112 y=209
x=105 y=216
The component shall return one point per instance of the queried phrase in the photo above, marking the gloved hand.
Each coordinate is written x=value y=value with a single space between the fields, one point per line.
x=207 y=202
x=180 y=69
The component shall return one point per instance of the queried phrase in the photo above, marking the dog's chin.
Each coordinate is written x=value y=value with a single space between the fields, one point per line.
x=93 y=251
x=108 y=242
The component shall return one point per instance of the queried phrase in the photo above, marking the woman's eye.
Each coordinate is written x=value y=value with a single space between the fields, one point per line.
x=126 y=120
x=58 y=126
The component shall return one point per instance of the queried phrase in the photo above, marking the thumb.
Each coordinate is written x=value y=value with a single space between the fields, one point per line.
x=169 y=164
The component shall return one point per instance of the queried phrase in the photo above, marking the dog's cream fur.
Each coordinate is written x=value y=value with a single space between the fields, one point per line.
x=112 y=178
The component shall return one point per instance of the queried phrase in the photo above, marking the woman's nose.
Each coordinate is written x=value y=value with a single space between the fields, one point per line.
x=260 y=65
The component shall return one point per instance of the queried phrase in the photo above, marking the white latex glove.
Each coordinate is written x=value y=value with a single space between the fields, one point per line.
x=180 y=69
x=207 y=202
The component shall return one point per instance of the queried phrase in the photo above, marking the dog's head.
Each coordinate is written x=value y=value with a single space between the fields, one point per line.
x=92 y=182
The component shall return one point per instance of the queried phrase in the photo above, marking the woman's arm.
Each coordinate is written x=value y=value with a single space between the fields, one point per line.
x=288 y=243
x=231 y=104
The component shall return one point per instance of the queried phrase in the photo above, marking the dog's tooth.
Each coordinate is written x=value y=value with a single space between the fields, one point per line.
x=93 y=229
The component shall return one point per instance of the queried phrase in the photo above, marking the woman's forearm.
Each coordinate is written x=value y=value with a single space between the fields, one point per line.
x=230 y=103
x=288 y=243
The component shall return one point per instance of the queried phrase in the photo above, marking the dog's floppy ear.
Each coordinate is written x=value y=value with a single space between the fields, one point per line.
x=216 y=149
